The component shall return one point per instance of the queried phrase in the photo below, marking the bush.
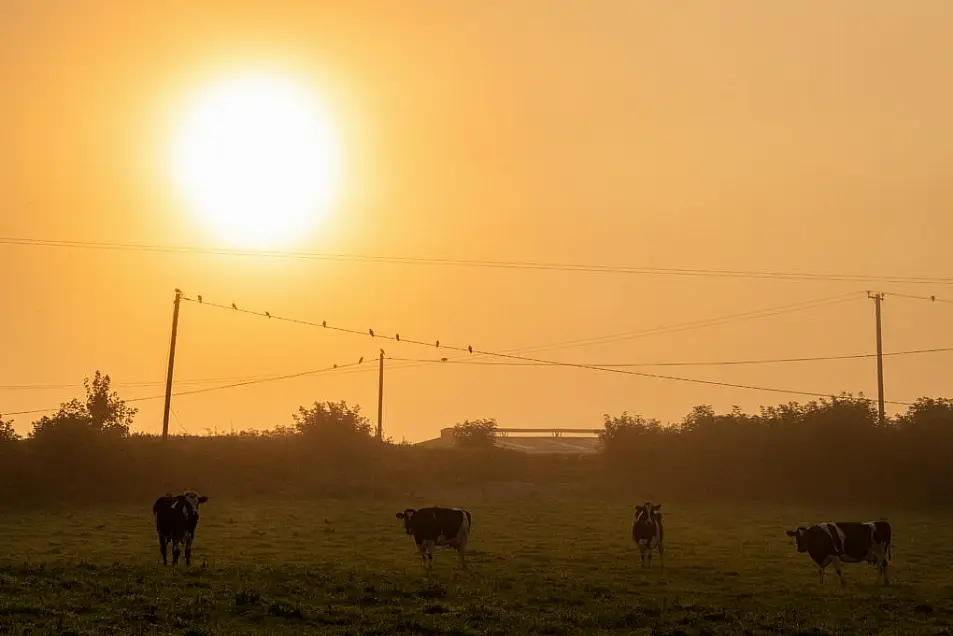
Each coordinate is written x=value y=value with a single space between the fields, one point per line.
x=475 y=434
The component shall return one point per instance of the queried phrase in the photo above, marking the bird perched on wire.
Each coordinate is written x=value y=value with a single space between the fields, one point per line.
x=397 y=337
x=268 y=314
x=361 y=360
x=438 y=344
x=469 y=348
x=371 y=331
x=234 y=306
x=200 y=298
x=324 y=323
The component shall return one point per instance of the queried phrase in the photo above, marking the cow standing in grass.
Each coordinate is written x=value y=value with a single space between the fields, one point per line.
x=647 y=532
x=176 y=519
x=846 y=542
x=435 y=526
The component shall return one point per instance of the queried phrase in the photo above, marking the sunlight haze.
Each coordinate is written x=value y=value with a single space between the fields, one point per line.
x=808 y=136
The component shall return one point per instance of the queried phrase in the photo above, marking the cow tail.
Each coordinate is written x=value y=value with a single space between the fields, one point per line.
x=469 y=521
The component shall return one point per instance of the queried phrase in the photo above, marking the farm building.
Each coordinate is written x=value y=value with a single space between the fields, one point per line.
x=558 y=441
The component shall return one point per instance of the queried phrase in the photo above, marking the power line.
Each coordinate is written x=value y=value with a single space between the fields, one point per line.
x=702 y=323
x=666 y=329
x=714 y=363
x=932 y=299
x=652 y=331
x=518 y=360
x=471 y=350
x=481 y=263
x=139 y=384
x=233 y=385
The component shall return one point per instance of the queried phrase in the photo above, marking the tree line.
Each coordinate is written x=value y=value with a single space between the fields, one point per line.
x=833 y=449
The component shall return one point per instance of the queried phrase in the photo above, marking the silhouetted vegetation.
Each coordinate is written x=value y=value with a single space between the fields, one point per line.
x=475 y=434
x=824 y=450
x=101 y=414
x=7 y=434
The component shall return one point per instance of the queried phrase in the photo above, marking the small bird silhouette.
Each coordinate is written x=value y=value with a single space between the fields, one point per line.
x=469 y=348
x=324 y=323
x=200 y=299
x=438 y=344
x=361 y=360
x=382 y=352
x=234 y=306
x=268 y=314
x=443 y=359
x=371 y=331
x=178 y=291
x=397 y=337
x=335 y=366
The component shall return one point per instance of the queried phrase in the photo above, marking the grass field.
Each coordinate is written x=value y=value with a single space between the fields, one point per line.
x=537 y=566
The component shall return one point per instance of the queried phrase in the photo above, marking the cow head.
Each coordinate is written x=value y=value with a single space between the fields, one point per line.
x=407 y=515
x=647 y=512
x=799 y=538
x=194 y=499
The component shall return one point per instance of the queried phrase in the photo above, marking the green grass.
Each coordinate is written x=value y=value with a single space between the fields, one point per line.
x=537 y=566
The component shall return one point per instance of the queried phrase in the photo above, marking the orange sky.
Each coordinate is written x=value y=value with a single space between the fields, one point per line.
x=809 y=135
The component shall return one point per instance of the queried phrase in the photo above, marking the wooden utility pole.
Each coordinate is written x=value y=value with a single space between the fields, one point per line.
x=168 y=380
x=380 y=400
x=878 y=298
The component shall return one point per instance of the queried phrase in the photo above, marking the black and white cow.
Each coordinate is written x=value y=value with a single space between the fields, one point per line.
x=846 y=542
x=647 y=532
x=436 y=526
x=176 y=519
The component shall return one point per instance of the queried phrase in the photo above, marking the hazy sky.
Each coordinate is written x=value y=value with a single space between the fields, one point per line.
x=808 y=135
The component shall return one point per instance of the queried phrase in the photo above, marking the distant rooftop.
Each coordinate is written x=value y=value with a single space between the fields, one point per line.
x=562 y=441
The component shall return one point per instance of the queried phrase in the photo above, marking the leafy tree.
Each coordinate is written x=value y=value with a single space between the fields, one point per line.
x=475 y=434
x=7 y=434
x=929 y=417
x=332 y=420
x=625 y=433
x=102 y=412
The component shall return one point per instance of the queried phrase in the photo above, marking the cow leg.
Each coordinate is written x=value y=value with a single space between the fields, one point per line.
x=426 y=553
x=820 y=568
x=188 y=550
x=840 y=576
x=175 y=552
x=163 y=550
x=882 y=566
x=461 y=548
x=661 y=553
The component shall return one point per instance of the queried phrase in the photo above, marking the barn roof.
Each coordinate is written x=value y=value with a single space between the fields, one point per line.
x=529 y=440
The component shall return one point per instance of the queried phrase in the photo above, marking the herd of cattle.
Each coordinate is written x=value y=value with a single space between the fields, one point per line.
x=177 y=517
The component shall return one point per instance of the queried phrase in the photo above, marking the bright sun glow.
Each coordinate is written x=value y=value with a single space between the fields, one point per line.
x=257 y=161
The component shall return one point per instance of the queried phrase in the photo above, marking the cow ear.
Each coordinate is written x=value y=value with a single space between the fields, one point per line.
x=791 y=533
x=203 y=499
x=400 y=515
x=657 y=507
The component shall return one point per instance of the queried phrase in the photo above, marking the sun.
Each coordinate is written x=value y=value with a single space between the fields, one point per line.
x=257 y=161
